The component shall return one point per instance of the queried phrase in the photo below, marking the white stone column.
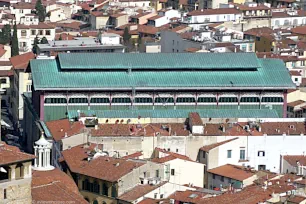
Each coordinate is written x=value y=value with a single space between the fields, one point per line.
x=36 y=154
x=40 y=151
x=12 y=175
x=45 y=157
x=48 y=157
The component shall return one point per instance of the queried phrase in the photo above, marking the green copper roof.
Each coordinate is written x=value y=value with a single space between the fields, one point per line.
x=158 y=61
x=272 y=74
x=209 y=113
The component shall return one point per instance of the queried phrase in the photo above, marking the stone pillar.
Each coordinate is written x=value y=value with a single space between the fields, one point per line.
x=45 y=157
x=12 y=172
x=40 y=158
x=48 y=157
x=36 y=154
x=27 y=170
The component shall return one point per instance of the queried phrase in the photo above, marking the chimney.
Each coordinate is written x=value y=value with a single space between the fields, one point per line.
x=66 y=134
x=259 y=128
x=169 y=130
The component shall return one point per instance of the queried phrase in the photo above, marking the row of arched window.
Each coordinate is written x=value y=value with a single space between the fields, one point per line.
x=165 y=100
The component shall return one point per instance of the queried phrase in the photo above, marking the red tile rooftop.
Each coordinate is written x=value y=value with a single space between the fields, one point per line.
x=60 y=129
x=294 y=159
x=207 y=148
x=111 y=169
x=296 y=199
x=238 y=173
x=54 y=186
x=195 y=119
x=249 y=195
x=295 y=103
x=10 y=155
x=188 y=196
x=214 y=11
x=139 y=191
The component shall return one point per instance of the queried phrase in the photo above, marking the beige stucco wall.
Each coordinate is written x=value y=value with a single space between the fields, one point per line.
x=296 y=95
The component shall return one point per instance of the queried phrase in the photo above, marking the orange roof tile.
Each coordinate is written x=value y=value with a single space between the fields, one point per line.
x=214 y=11
x=22 y=61
x=207 y=148
x=139 y=191
x=135 y=155
x=195 y=119
x=10 y=154
x=61 y=128
x=296 y=199
x=238 y=173
x=293 y=159
x=295 y=103
x=53 y=186
x=185 y=196
x=110 y=169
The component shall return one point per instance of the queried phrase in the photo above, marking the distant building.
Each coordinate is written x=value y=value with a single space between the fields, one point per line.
x=107 y=42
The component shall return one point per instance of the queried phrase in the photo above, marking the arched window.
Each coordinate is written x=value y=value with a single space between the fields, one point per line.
x=105 y=190
x=295 y=22
x=96 y=187
x=87 y=199
x=85 y=185
x=286 y=22
x=277 y=23
x=95 y=202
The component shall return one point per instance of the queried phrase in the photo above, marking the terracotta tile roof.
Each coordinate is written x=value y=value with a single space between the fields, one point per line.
x=148 y=201
x=171 y=155
x=6 y=73
x=2 y=50
x=293 y=159
x=110 y=169
x=72 y=25
x=54 y=186
x=285 y=58
x=5 y=63
x=61 y=128
x=135 y=155
x=296 y=199
x=22 y=61
x=185 y=196
x=214 y=12
x=238 y=173
x=207 y=148
x=301 y=30
x=259 y=31
x=139 y=191
x=154 y=17
x=64 y=36
x=147 y=29
x=192 y=49
x=278 y=128
x=116 y=15
x=243 y=7
x=40 y=25
x=98 y=14
x=295 y=103
x=10 y=154
x=187 y=35
x=195 y=119
x=163 y=159
x=295 y=73
x=23 y=5
x=249 y=195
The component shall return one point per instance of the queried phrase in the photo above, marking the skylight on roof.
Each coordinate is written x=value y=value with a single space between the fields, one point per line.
x=193 y=195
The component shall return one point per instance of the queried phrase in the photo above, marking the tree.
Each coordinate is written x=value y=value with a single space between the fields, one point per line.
x=40 y=11
x=60 y=37
x=5 y=35
x=15 y=48
x=139 y=40
x=35 y=45
x=126 y=35
x=44 y=40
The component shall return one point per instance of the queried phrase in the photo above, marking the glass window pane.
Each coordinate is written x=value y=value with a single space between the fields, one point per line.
x=99 y=100
x=164 y=100
x=143 y=100
x=78 y=100
x=121 y=100
x=185 y=100
x=207 y=100
x=249 y=99
x=228 y=99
